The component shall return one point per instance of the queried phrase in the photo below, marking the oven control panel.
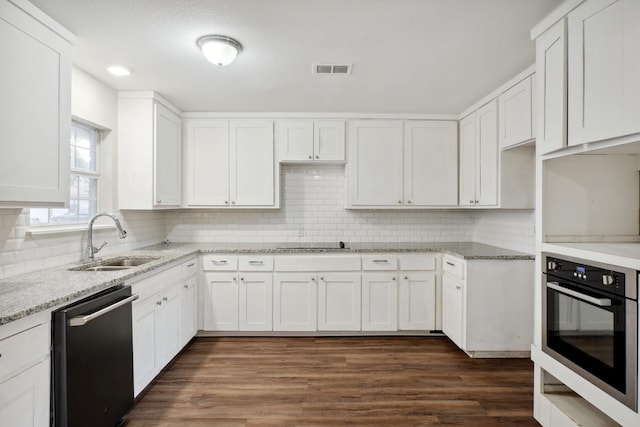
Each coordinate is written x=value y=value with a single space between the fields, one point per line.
x=574 y=271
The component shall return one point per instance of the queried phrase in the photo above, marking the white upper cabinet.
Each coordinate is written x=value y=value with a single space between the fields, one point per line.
x=398 y=164
x=230 y=163
x=515 y=110
x=374 y=175
x=604 y=70
x=430 y=163
x=149 y=152
x=35 y=112
x=479 y=157
x=551 y=89
x=310 y=140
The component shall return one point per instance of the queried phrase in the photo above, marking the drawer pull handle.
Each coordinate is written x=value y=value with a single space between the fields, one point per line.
x=256 y=262
x=451 y=264
x=191 y=265
x=219 y=262
x=378 y=261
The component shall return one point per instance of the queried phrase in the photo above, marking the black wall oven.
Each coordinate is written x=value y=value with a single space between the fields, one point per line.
x=590 y=322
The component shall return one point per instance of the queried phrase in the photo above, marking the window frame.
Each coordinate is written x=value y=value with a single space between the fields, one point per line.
x=75 y=173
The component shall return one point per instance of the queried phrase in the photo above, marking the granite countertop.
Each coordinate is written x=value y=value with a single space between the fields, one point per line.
x=30 y=293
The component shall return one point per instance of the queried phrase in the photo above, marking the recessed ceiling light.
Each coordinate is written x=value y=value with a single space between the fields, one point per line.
x=219 y=50
x=119 y=70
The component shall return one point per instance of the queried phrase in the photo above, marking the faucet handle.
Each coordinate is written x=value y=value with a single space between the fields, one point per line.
x=95 y=250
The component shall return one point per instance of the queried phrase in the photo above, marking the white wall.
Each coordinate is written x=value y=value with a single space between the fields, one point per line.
x=513 y=230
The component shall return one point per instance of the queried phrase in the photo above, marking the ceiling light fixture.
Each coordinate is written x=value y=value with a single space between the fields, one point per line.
x=219 y=50
x=119 y=70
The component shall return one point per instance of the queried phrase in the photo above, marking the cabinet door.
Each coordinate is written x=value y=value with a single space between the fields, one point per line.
x=207 y=162
x=374 y=173
x=221 y=302
x=551 y=89
x=514 y=109
x=452 y=309
x=256 y=302
x=252 y=163
x=468 y=160
x=188 y=310
x=487 y=155
x=169 y=329
x=604 y=70
x=339 y=302
x=417 y=307
x=328 y=140
x=294 y=139
x=294 y=302
x=145 y=323
x=35 y=112
x=430 y=163
x=167 y=157
x=379 y=302
x=24 y=399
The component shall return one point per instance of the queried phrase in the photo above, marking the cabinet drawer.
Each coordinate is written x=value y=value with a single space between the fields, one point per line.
x=151 y=285
x=417 y=262
x=317 y=263
x=255 y=263
x=20 y=350
x=219 y=263
x=189 y=268
x=379 y=262
x=454 y=266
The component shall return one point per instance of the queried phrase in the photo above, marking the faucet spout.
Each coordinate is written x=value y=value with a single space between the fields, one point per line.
x=92 y=250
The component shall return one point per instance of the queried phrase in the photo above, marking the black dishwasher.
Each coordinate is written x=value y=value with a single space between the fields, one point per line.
x=92 y=360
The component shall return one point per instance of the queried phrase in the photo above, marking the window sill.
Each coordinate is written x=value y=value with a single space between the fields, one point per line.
x=40 y=230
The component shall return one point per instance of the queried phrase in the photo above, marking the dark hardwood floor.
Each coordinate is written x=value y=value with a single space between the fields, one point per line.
x=362 y=381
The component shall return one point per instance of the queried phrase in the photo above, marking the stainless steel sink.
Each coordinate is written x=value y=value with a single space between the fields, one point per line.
x=114 y=264
x=127 y=262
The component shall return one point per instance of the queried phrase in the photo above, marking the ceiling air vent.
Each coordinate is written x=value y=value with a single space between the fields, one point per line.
x=327 y=69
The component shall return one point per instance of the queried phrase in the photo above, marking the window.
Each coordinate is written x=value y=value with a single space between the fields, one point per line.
x=83 y=182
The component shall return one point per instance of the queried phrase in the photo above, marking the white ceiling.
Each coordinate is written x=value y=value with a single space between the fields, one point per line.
x=408 y=56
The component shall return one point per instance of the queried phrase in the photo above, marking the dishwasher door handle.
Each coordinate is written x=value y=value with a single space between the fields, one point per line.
x=83 y=320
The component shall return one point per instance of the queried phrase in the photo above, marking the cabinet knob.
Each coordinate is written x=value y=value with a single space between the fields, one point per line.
x=313 y=279
x=310 y=157
x=471 y=201
x=477 y=201
x=235 y=280
x=186 y=286
x=399 y=202
x=409 y=202
x=322 y=278
x=233 y=203
x=458 y=287
x=165 y=299
x=406 y=277
x=317 y=157
x=393 y=279
x=158 y=302
x=242 y=279
x=226 y=202
x=159 y=202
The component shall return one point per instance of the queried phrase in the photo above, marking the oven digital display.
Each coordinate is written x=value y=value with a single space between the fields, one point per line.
x=581 y=270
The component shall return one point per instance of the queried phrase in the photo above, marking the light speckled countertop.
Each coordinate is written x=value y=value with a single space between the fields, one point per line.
x=30 y=293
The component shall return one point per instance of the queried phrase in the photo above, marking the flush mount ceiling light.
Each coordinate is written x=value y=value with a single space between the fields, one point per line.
x=219 y=50
x=119 y=70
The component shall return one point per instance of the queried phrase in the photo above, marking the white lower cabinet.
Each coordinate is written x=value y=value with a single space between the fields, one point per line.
x=164 y=320
x=379 y=302
x=487 y=305
x=24 y=399
x=255 y=302
x=294 y=302
x=25 y=372
x=417 y=301
x=221 y=301
x=452 y=308
x=339 y=302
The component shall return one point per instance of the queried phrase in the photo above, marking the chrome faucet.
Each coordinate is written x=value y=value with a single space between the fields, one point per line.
x=92 y=250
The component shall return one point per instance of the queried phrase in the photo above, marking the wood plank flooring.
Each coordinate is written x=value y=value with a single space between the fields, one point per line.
x=361 y=381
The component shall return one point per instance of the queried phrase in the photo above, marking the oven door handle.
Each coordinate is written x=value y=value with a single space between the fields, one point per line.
x=83 y=320
x=602 y=302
